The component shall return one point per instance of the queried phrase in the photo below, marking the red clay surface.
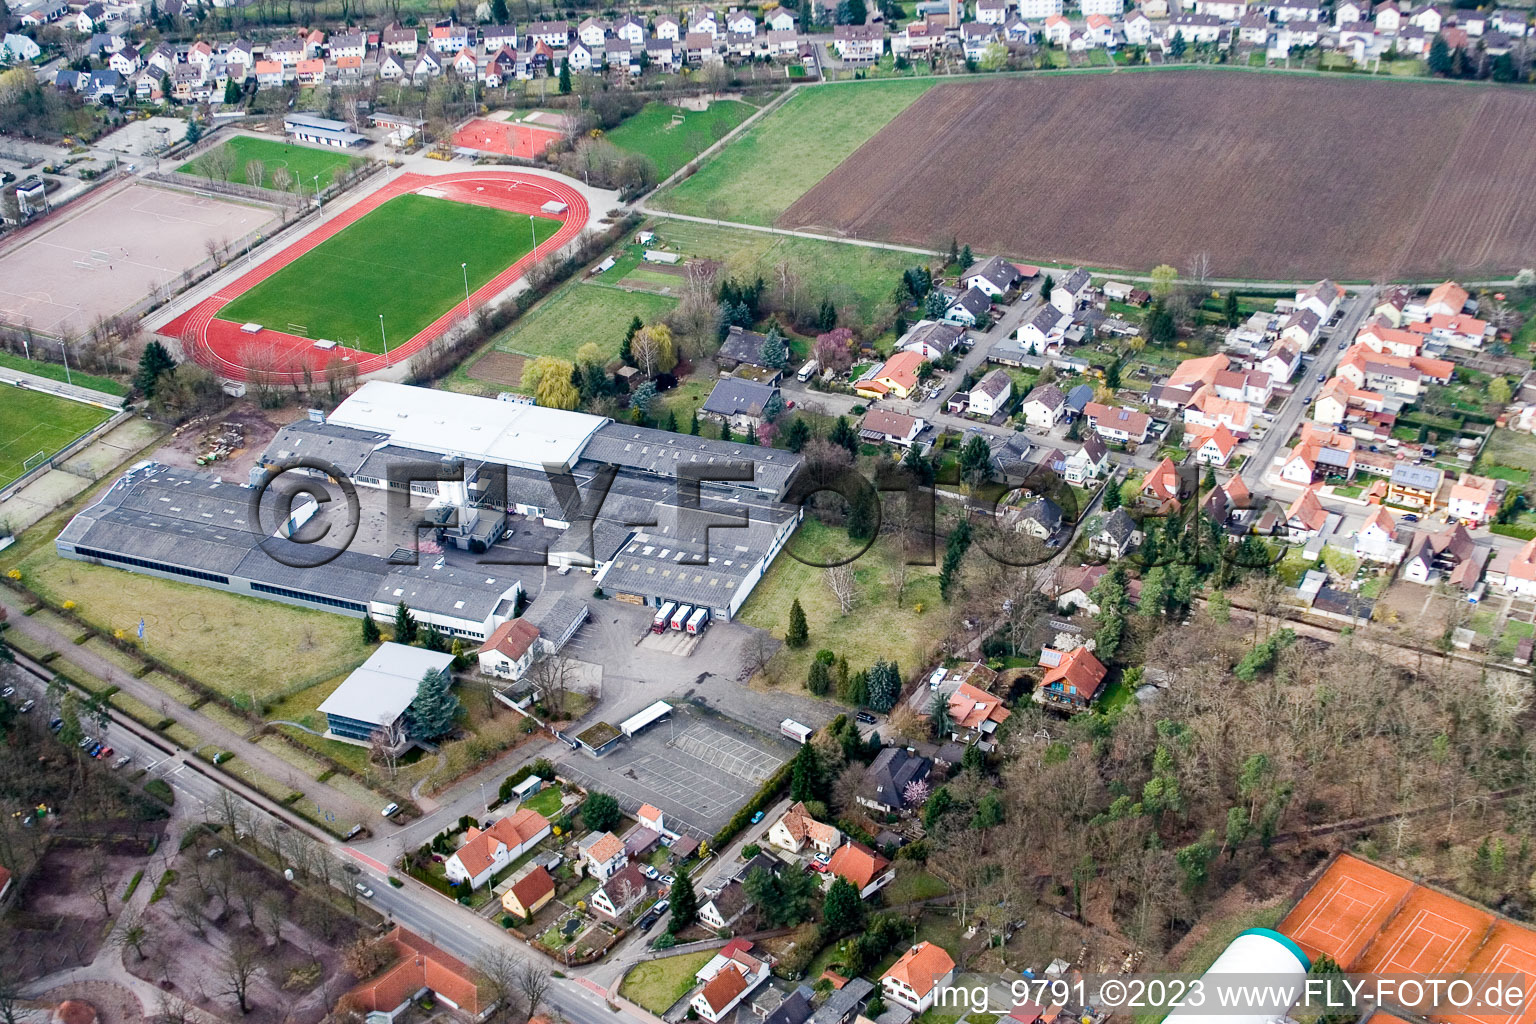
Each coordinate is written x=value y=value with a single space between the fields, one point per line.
x=220 y=346
x=504 y=138
x=1509 y=949
x=1344 y=910
x=1431 y=934
x=1274 y=176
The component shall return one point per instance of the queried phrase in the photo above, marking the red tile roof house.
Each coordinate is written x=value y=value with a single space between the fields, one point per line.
x=422 y=967
x=917 y=976
x=975 y=715
x=858 y=864
x=529 y=893
x=1072 y=679
x=486 y=852
x=509 y=650
x=728 y=978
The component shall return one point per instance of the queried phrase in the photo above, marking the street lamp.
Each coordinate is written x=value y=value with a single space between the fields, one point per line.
x=385 y=338
x=465 y=267
x=533 y=227
x=318 y=203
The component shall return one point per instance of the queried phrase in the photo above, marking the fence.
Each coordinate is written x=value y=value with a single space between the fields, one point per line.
x=10 y=490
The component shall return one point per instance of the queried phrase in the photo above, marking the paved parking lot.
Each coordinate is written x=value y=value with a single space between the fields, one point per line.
x=697 y=768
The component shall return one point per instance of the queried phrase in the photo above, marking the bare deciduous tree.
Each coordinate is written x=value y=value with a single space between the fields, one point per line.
x=533 y=983
x=238 y=967
x=840 y=580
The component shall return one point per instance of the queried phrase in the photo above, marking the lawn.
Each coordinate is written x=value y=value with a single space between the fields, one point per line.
x=657 y=134
x=657 y=984
x=761 y=174
x=546 y=801
x=398 y=261
x=876 y=628
x=579 y=313
x=53 y=371
x=303 y=162
x=850 y=275
x=1511 y=449
x=33 y=421
x=205 y=633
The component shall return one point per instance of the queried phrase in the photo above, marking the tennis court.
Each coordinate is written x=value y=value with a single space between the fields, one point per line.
x=100 y=255
x=1344 y=910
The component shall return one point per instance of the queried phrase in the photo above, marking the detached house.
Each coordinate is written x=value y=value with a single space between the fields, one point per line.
x=862 y=867
x=509 y=650
x=728 y=978
x=603 y=854
x=990 y=394
x=1116 y=537
x=1044 y=406
x=1475 y=500
x=529 y=894
x=1088 y=463
x=723 y=909
x=917 y=976
x=741 y=403
x=1322 y=298
x=882 y=426
x=1072 y=290
x=859 y=44
x=1113 y=423
x=889 y=775
x=619 y=894
x=797 y=830
x=976 y=716
x=1377 y=539
x=1072 y=679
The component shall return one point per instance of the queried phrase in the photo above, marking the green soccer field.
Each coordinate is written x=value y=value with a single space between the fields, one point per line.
x=32 y=422
x=402 y=260
x=670 y=136
x=302 y=162
x=781 y=157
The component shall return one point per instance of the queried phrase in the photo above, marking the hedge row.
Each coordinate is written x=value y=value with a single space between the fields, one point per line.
x=1516 y=530
x=764 y=798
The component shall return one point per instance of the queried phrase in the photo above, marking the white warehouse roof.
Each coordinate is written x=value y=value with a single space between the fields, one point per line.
x=383 y=686
x=1258 y=957
x=464 y=426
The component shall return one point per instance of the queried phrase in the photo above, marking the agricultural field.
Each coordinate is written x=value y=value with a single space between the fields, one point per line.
x=228 y=162
x=850 y=275
x=401 y=260
x=758 y=176
x=670 y=136
x=34 y=421
x=1083 y=164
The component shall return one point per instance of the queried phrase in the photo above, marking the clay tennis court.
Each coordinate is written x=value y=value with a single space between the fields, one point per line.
x=103 y=254
x=1345 y=909
x=1371 y=921
x=504 y=138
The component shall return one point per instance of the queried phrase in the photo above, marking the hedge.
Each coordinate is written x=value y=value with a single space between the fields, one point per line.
x=1516 y=530
x=161 y=790
x=765 y=797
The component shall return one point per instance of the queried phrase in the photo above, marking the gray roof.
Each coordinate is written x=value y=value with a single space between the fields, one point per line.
x=1119 y=526
x=842 y=1003
x=936 y=335
x=974 y=301
x=735 y=396
x=993 y=384
x=998 y=271
x=1095 y=448
x=665 y=453
x=1077 y=280
x=796 y=1009
x=555 y=617
x=383 y=686
x=1425 y=478
x=1045 y=319
x=890 y=772
x=1048 y=395
x=1043 y=511
x=743 y=346
x=1079 y=397
x=346 y=448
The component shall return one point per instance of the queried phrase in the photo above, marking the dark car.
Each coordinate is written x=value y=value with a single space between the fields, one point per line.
x=649 y=921
x=54 y=725
x=95 y=749
x=865 y=717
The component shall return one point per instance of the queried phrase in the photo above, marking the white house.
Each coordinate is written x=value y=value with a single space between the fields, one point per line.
x=1044 y=407
x=509 y=650
x=1322 y=298
x=916 y=977
x=1046 y=328
x=1087 y=463
x=1038 y=10
x=797 y=830
x=485 y=852
x=728 y=978
x=17 y=48
x=603 y=854
x=991 y=393
x=1376 y=541
x=1071 y=290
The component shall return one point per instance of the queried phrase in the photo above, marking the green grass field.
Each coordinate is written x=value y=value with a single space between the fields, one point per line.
x=579 y=313
x=303 y=162
x=669 y=146
x=759 y=175
x=850 y=275
x=401 y=260
x=31 y=421
x=54 y=371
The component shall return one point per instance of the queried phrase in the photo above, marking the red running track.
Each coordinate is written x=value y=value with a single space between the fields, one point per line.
x=284 y=358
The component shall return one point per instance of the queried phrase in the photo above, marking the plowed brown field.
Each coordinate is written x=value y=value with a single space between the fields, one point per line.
x=1274 y=176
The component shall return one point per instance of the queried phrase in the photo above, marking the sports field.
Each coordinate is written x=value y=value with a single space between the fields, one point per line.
x=402 y=260
x=32 y=422
x=54 y=371
x=761 y=174
x=670 y=136
x=302 y=162
x=579 y=313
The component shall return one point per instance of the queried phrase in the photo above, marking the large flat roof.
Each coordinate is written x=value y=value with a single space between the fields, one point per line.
x=383 y=686
x=465 y=426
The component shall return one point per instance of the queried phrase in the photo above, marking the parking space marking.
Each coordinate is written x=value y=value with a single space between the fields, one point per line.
x=730 y=755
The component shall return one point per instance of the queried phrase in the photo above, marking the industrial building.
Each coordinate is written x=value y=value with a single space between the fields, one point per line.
x=645 y=511
x=374 y=698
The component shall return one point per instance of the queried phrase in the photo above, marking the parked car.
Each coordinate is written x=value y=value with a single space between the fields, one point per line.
x=94 y=751
x=120 y=762
x=390 y=809
x=865 y=717
x=27 y=705
x=661 y=907
x=8 y=692
x=105 y=753
x=1409 y=517
x=757 y=817
x=215 y=853
x=1343 y=345
x=649 y=920
x=1322 y=377
x=87 y=742
x=363 y=891
x=650 y=872
x=667 y=880
x=54 y=725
